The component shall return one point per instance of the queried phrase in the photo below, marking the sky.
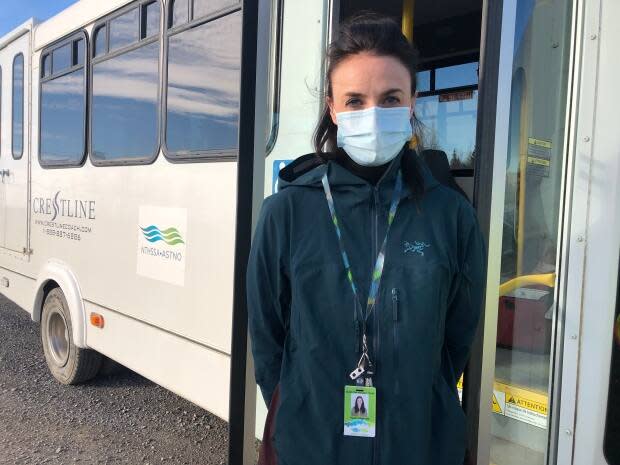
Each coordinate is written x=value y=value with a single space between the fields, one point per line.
x=15 y=12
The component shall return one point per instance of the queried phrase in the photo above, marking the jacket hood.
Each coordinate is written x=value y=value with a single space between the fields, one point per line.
x=308 y=170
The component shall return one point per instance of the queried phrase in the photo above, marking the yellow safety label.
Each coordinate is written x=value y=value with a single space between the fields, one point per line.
x=518 y=403
x=539 y=142
x=538 y=161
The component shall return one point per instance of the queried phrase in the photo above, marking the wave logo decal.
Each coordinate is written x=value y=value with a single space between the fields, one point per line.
x=170 y=236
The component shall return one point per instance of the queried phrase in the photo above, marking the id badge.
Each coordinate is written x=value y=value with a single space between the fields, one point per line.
x=360 y=411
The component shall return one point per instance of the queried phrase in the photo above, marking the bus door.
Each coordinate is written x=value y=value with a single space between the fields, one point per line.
x=15 y=141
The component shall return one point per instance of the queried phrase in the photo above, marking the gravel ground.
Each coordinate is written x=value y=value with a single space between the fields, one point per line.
x=119 y=418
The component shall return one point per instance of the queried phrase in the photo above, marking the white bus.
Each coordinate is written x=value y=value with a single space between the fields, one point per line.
x=129 y=183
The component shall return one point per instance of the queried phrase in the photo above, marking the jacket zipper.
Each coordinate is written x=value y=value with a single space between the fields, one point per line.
x=395 y=329
x=375 y=248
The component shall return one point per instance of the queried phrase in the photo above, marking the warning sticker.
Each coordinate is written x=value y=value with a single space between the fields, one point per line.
x=517 y=403
x=538 y=157
x=523 y=404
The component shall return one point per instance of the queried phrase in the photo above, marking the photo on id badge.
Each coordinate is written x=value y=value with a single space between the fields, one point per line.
x=359 y=411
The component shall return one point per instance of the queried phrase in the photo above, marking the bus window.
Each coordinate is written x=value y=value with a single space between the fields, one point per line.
x=124 y=30
x=101 y=41
x=612 y=426
x=18 y=107
x=79 y=56
x=179 y=12
x=61 y=59
x=456 y=76
x=124 y=110
x=424 y=81
x=202 y=104
x=205 y=7
x=150 y=19
x=274 y=75
x=447 y=106
x=63 y=103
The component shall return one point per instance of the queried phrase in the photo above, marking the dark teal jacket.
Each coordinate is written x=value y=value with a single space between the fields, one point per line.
x=301 y=315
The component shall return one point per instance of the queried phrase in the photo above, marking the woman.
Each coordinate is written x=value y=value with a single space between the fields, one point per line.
x=365 y=272
x=359 y=409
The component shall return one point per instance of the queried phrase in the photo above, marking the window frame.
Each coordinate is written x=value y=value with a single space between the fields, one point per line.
x=200 y=156
x=107 y=55
x=274 y=104
x=21 y=154
x=433 y=66
x=47 y=51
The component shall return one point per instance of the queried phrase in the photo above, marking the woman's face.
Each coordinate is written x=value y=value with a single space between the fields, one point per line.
x=365 y=80
x=359 y=401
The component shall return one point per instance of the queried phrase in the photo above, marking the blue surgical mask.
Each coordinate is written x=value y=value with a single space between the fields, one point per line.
x=374 y=136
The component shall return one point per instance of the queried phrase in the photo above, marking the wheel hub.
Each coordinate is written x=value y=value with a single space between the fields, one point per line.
x=58 y=338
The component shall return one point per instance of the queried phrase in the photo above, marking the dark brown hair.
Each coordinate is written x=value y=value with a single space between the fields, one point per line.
x=379 y=35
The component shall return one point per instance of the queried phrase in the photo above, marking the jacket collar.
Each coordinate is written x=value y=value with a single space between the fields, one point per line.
x=309 y=169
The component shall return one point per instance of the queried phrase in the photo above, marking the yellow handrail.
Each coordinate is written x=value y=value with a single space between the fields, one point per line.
x=547 y=279
x=407 y=22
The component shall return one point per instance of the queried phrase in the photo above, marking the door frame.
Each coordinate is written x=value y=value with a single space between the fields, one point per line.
x=22 y=251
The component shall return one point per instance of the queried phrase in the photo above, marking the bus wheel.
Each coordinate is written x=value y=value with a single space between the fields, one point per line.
x=68 y=363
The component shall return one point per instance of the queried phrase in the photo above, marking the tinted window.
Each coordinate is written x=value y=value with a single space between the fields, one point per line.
x=78 y=52
x=124 y=105
x=180 y=12
x=62 y=119
x=424 y=81
x=150 y=19
x=100 y=41
x=46 y=65
x=203 y=87
x=62 y=59
x=124 y=30
x=456 y=76
x=18 y=106
x=205 y=7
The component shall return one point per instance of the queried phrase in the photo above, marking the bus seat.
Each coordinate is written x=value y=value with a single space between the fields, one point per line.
x=437 y=162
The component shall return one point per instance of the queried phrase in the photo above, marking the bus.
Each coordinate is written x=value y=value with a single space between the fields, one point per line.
x=138 y=139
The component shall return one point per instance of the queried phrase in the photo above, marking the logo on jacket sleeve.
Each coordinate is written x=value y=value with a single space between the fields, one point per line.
x=415 y=247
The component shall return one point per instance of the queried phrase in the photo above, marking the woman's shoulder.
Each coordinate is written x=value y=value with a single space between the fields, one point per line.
x=295 y=180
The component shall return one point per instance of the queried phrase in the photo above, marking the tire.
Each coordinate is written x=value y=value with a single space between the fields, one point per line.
x=110 y=368
x=68 y=363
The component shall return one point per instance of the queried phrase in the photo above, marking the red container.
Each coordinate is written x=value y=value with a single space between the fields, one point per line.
x=524 y=320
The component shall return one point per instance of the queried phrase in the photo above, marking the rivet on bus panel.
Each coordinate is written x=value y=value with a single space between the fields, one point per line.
x=96 y=320
x=4 y=282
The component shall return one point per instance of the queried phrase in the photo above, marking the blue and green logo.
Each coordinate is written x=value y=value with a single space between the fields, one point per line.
x=170 y=236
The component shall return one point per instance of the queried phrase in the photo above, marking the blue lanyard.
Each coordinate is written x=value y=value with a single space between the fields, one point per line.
x=379 y=264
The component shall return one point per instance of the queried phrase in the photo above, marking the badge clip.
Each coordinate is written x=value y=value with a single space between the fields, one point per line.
x=357 y=372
